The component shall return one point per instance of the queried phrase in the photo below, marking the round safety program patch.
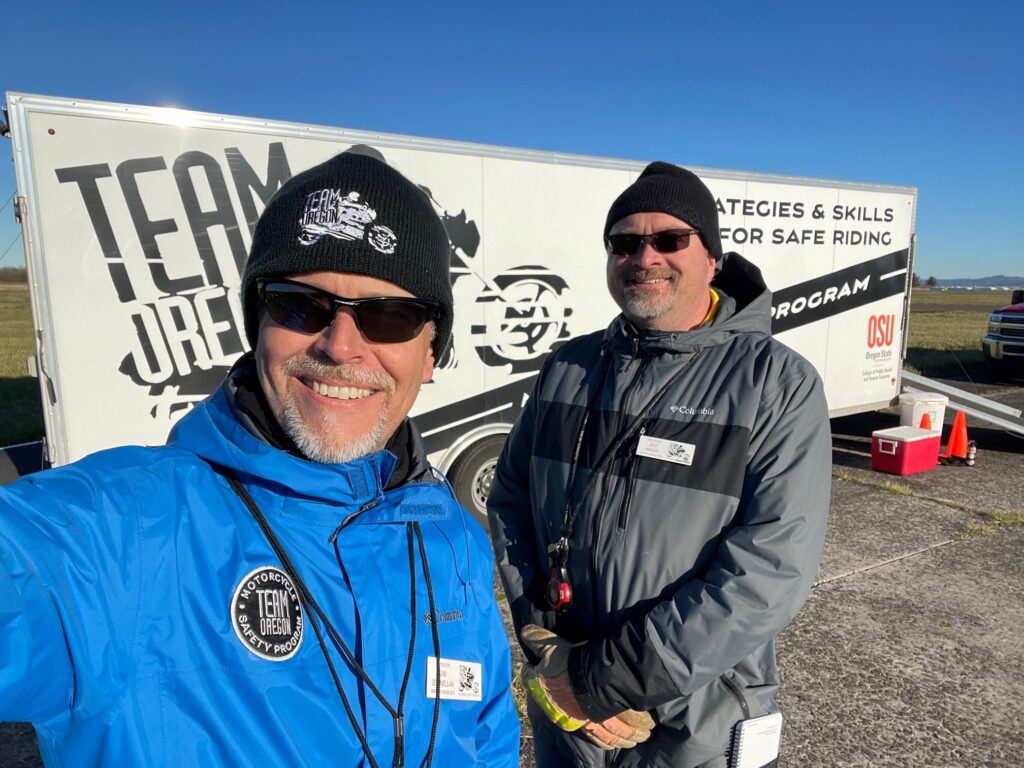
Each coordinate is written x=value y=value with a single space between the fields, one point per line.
x=266 y=614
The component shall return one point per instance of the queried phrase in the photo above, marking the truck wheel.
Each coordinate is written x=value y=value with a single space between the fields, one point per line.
x=472 y=474
x=999 y=371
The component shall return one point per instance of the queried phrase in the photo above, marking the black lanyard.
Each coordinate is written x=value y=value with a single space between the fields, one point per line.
x=312 y=607
x=558 y=553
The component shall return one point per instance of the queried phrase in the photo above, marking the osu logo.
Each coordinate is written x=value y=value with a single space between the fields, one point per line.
x=881 y=329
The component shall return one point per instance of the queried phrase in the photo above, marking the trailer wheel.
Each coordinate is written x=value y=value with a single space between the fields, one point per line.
x=473 y=472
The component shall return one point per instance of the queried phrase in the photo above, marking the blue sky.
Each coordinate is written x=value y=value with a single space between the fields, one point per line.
x=924 y=95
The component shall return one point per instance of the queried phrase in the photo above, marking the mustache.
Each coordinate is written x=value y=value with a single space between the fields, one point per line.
x=354 y=375
x=637 y=275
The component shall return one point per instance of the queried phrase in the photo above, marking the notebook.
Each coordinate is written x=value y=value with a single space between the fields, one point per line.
x=756 y=742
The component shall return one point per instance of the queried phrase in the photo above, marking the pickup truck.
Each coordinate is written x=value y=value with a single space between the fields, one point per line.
x=1003 y=343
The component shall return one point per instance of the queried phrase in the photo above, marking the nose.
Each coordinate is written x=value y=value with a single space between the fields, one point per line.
x=646 y=257
x=341 y=341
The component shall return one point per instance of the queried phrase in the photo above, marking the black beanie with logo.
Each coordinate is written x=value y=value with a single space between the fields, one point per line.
x=667 y=188
x=352 y=213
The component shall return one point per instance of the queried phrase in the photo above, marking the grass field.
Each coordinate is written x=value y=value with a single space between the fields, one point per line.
x=21 y=415
x=945 y=333
x=944 y=341
x=924 y=299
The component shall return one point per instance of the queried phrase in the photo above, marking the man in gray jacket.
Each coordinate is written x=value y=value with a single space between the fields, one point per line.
x=659 y=509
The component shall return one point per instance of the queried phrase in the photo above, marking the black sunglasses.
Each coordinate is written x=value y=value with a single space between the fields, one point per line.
x=669 y=241
x=384 y=320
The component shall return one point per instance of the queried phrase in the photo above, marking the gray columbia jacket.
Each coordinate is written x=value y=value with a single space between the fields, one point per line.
x=698 y=502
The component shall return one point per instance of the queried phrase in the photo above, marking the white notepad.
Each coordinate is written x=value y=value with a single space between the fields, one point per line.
x=756 y=742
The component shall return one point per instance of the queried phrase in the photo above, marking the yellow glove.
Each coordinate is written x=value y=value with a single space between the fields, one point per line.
x=555 y=714
x=553 y=652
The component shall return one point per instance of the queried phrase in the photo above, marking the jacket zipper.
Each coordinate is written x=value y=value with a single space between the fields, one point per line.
x=630 y=480
x=596 y=527
x=738 y=694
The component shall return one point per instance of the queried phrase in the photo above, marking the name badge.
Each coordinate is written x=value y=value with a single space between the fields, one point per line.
x=666 y=450
x=460 y=680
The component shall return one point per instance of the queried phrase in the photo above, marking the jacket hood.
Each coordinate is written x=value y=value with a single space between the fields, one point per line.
x=213 y=432
x=744 y=307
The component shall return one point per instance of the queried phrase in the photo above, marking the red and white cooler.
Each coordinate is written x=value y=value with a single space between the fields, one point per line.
x=904 y=450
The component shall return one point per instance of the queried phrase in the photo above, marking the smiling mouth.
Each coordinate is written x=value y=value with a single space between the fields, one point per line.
x=641 y=280
x=337 y=392
x=644 y=277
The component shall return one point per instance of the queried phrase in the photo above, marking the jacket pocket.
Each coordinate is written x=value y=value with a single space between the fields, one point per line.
x=752 y=700
x=737 y=693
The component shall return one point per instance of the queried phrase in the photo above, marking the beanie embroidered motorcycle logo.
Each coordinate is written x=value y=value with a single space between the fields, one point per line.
x=266 y=614
x=345 y=217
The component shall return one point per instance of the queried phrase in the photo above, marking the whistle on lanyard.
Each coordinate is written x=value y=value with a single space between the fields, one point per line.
x=559 y=590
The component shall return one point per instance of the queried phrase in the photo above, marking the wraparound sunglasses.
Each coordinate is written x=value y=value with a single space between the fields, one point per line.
x=384 y=319
x=667 y=241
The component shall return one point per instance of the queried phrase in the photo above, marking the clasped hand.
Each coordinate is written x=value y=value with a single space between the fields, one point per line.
x=549 y=686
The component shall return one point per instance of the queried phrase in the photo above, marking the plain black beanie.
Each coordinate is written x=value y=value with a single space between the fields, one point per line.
x=353 y=213
x=667 y=188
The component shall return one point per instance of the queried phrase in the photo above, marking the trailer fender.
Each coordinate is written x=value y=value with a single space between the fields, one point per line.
x=470 y=466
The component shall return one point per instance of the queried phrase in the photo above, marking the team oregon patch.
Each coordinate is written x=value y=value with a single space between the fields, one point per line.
x=266 y=614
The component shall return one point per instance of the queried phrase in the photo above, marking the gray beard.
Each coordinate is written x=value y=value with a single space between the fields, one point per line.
x=313 y=445
x=327 y=446
x=644 y=308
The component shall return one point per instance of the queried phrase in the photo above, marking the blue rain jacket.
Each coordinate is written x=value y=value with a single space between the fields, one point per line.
x=144 y=621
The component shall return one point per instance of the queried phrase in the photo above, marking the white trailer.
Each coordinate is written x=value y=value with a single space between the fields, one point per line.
x=137 y=221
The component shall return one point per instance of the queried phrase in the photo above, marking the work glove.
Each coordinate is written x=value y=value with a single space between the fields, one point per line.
x=625 y=730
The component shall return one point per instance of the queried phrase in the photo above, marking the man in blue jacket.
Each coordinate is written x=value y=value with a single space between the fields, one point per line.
x=287 y=581
x=660 y=506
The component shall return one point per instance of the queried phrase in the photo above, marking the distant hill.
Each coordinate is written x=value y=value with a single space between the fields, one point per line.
x=997 y=281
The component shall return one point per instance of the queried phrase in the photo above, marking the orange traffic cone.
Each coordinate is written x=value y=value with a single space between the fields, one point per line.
x=957 y=447
x=926 y=421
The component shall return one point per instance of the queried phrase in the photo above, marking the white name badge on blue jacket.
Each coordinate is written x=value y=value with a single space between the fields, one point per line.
x=666 y=450
x=461 y=680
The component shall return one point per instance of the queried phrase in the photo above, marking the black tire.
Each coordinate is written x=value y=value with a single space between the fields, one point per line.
x=999 y=371
x=472 y=473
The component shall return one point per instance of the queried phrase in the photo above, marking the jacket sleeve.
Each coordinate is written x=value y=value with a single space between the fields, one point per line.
x=63 y=604
x=510 y=516
x=761 y=574
x=35 y=668
x=497 y=731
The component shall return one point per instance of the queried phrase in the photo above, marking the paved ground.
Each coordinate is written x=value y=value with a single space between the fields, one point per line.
x=909 y=651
